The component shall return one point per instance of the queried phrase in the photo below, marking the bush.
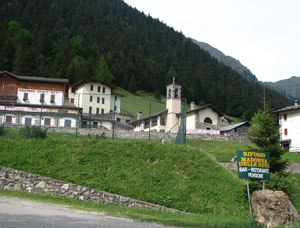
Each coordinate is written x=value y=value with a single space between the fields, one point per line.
x=33 y=132
x=279 y=181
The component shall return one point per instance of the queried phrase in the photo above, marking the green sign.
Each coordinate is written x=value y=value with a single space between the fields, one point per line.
x=253 y=165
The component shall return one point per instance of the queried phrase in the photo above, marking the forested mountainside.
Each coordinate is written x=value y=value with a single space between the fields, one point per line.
x=112 y=42
x=227 y=60
x=288 y=87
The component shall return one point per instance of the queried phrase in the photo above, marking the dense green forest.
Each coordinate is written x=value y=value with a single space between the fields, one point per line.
x=109 y=41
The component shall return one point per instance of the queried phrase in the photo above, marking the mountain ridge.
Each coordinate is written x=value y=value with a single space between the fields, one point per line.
x=227 y=60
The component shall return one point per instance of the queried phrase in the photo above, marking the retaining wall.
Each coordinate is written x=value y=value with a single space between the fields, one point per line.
x=11 y=179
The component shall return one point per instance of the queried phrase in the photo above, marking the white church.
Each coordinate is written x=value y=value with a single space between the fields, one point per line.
x=206 y=119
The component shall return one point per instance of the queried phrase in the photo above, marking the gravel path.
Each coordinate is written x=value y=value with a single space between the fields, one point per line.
x=16 y=212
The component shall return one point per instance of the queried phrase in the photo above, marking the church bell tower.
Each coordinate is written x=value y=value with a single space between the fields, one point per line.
x=174 y=107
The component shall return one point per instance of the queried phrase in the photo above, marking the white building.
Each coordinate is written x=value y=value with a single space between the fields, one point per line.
x=289 y=122
x=26 y=100
x=200 y=120
x=94 y=97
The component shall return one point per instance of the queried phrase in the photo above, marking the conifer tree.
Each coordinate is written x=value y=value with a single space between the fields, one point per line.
x=103 y=73
x=265 y=134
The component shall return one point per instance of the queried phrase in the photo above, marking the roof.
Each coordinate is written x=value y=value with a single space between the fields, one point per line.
x=37 y=79
x=233 y=126
x=152 y=116
x=96 y=81
x=204 y=107
x=289 y=108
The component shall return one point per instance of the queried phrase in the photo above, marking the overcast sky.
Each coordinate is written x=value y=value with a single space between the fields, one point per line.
x=263 y=35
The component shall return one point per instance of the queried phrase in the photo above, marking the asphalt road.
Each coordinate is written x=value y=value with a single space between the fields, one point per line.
x=24 y=213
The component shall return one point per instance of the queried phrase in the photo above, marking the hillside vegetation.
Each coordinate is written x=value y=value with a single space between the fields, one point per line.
x=170 y=175
x=289 y=87
x=109 y=41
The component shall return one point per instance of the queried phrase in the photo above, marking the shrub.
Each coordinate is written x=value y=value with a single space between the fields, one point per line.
x=33 y=132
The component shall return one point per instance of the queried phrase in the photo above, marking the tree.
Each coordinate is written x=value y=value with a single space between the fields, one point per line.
x=103 y=73
x=265 y=134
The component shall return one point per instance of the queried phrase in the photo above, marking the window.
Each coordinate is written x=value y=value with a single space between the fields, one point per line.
x=47 y=122
x=90 y=110
x=97 y=111
x=103 y=90
x=176 y=93
x=103 y=100
x=72 y=100
x=73 y=90
x=208 y=120
x=116 y=98
x=8 y=119
x=91 y=98
x=99 y=89
x=52 y=100
x=92 y=87
x=95 y=124
x=42 y=97
x=118 y=120
x=28 y=121
x=102 y=111
x=98 y=100
x=115 y=108
x=285 y=117
x=68 y=123
x=208 y=128
x=25 y=97
x=285 y=131
x=127 y=121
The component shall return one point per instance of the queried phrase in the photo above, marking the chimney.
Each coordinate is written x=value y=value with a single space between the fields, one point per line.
x=296 y=103
x=139 y=115
x=192 y=105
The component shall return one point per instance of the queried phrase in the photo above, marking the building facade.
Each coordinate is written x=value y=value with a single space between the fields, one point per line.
x=289 y=122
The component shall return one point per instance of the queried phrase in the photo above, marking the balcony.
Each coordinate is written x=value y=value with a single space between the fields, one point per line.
x=8 y=95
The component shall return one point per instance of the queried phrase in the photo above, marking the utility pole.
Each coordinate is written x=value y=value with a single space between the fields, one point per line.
x=113 y=123
x=149 y=136
x=4 y=114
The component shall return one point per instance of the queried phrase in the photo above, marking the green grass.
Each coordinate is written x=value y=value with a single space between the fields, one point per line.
x=161 y=217
x=223 y=151
x=169 y=175
x=292 y=157
x=134 y=103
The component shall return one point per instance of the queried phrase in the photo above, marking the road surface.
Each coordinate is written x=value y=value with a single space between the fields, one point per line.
x=16 y=212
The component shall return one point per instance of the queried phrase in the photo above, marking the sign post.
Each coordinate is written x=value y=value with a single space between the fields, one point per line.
x=253 y=165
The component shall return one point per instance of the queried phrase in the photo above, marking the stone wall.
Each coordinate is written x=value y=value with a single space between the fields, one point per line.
x=11 y=179
x=130 y=134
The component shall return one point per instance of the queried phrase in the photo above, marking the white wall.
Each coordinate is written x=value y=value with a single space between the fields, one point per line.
x=209 y=112
x=292 y=124
x=61 y=121
x=28 y=116
x=34 y=97
x=83 y=94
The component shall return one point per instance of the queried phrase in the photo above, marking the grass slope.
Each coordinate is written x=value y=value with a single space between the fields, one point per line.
x=173 y=176
x=134 y=103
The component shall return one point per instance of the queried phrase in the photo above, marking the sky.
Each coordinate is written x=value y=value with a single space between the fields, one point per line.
x=263 y=35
